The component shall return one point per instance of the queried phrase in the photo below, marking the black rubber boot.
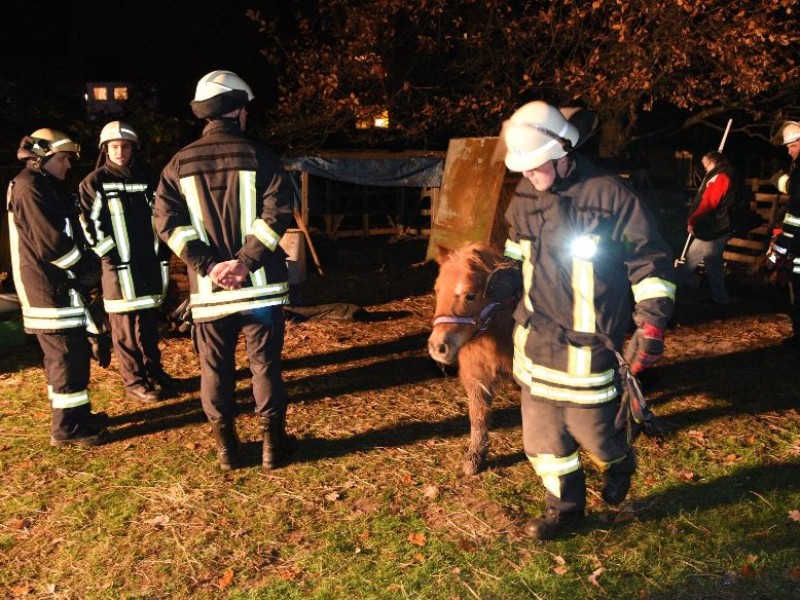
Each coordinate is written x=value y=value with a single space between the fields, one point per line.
x=552 y=524
x=227 y=443
x=91 y=431
x=278 y=445
x=617 y=479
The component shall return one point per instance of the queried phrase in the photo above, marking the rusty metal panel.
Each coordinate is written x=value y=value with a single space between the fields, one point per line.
x=466 y=209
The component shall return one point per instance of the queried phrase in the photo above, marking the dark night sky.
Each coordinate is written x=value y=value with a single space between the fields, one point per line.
x=169 y=42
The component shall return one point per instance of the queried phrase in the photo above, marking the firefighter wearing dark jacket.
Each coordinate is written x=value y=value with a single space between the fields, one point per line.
x=51 y=272
x=116 y=202
x=709 y=224
x=222 y=206
x=786 y=246
x=587 y=246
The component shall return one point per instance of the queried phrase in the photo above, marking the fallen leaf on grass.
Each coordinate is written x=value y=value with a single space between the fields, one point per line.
x=418 y=539
x=794 y=515
x=627 y=513
x=226 y=580
x=747 y=571
x=732 y=458
x=430 y=491
x=406 y=479
x=289 y=573
x=23 y=589
x=794 y=574
x=191 y=446
x=594 y=577
x=687 y=475
x=559 y=570
x=697 y=435
x=419 y=557
x=20 y=524
x=644 y=594
x=333 y=496
x=159 y=521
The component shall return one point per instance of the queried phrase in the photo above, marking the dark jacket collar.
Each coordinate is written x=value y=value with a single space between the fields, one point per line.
x=222 y=126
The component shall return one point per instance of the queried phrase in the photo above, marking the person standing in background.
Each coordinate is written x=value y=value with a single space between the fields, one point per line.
x=116 y=204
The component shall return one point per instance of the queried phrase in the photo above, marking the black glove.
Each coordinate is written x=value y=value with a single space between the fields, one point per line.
x=504 y=282
x=645 y=348
x=101 y=349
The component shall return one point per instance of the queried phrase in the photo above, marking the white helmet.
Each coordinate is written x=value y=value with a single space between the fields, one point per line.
x=219 y=93
x=117 y=130
x=535 y=134
x=788 y=132
x=44 y=143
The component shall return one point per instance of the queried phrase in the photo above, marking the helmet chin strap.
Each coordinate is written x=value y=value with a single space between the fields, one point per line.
x=558 y=179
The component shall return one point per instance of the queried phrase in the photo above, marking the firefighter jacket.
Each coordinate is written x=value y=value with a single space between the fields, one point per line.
x=788 y=241
x=46 y=253
x=116 y=210
x=710 y=212
x=220 y=198
x=589 y=250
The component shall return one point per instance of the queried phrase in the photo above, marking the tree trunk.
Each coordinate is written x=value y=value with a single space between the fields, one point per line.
x=617 y=125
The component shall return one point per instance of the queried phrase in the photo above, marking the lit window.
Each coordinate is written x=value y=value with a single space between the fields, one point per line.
x=100 y=93
x=382 y=120
x=372 y=116
x=120 y=93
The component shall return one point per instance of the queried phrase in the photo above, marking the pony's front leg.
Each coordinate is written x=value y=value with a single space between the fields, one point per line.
x=479 y=395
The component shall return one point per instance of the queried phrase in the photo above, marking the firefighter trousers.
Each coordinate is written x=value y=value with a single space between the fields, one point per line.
x=135 y=338
x=263 y=331
x=552 y=435
x=66 y=366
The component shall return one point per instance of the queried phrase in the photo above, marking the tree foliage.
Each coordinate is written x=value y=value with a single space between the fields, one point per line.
x=447 y=67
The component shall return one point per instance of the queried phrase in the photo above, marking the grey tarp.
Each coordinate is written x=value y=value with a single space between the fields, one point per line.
x=404 y=171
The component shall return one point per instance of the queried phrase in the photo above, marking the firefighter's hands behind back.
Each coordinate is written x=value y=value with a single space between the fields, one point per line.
x=229 y=275
x=645 y=348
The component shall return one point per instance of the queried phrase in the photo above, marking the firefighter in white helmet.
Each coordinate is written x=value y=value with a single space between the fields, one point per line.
x=223 y=203
x=53 y=271
x=587 y=246
x=786 y=246
x=116 y=203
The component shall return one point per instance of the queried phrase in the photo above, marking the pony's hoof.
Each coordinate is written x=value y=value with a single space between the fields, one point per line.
x=474 y=464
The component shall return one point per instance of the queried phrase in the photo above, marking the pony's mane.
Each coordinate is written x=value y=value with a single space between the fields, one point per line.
x=477 y=257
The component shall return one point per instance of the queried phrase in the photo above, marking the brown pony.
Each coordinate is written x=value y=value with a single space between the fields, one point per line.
x=473 y=326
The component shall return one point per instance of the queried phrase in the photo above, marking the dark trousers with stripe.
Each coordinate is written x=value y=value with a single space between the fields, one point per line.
x=66 y=366
x=135 y=338
x=263 y=332
x=559 y=430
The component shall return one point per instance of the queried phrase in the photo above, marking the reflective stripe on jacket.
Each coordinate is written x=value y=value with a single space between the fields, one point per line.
x=117 y=217
x=42 y=224
x=220 y=198
x=789 y=239
x=589 y=250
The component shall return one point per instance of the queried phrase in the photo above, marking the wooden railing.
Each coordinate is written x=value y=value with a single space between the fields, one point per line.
x=748 y=250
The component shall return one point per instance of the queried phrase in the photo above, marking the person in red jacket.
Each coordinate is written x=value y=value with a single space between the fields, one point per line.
x=709 y=224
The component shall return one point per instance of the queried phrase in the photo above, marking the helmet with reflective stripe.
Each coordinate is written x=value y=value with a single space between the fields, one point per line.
x=219 y=93
x=537 y=133
x=44 y=143
x=118 y=130
x=788 y=132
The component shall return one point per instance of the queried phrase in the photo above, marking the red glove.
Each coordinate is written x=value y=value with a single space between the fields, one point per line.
x=645 y=348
